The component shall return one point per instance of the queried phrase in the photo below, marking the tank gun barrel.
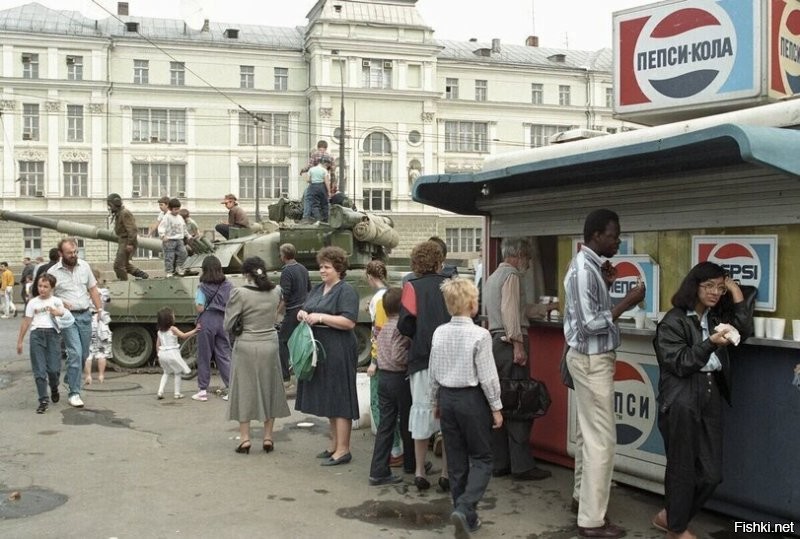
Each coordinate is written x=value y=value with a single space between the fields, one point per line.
x=76 y=229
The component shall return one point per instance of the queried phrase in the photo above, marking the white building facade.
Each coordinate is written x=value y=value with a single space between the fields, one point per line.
x=149 y=107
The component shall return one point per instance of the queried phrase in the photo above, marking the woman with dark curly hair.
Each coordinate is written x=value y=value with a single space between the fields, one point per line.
x=210 y=301
x=257 y=392
x=422 y=310
x=691 y=345
x=331 y=309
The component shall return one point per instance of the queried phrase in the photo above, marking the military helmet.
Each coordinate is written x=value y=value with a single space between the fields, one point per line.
x=114 y=200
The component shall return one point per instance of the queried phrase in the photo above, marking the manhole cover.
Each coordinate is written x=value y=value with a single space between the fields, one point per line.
x=112 y=385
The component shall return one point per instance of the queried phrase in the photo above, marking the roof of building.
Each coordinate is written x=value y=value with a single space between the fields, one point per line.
x=634 y=155
x=34 y=18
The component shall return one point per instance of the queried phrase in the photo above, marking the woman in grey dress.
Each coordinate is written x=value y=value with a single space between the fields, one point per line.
x=332 y=310
x=256 y=392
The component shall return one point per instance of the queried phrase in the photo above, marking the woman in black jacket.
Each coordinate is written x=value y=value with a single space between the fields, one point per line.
x=695 y=376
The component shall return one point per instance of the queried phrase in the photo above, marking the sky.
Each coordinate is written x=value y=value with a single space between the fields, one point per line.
x=574 y=24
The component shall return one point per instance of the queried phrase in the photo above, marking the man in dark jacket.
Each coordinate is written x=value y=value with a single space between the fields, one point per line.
x=295 y=285
x=127 y=236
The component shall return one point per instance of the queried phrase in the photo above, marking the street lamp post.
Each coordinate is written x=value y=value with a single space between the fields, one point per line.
x=258 y=187
x=342 y=146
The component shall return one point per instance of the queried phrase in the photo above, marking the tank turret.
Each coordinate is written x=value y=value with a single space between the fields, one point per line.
x=134 y=303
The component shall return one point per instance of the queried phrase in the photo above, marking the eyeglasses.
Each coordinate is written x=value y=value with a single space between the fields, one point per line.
x=712 y=288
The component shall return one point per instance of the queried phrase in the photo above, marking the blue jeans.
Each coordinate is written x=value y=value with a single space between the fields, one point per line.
x=77 y=339
x=174 y=256
x=45 y=360
x=315 y=202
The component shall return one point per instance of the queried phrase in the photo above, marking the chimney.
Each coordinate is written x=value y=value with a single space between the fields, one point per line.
x=205 y=27
x=122 y=8
x=532 y=41
x=496 y=46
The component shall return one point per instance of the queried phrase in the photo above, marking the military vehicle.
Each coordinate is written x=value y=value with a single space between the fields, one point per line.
x=134 y=303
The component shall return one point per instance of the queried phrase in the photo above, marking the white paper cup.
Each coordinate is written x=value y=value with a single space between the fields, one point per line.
x=775 y=328
x=639 y=319
x=759 y=327
x=796 y=330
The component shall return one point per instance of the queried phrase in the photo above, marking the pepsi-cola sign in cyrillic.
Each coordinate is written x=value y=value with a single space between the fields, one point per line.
x=630 y=270
x=674 y=54
x=750 y=260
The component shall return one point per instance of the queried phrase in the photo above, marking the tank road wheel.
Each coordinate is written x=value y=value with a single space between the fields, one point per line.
x=364 y=339
x=189 y=355
x=132 y=345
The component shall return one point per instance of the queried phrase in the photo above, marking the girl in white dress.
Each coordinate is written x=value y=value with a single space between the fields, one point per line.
x=169 y=353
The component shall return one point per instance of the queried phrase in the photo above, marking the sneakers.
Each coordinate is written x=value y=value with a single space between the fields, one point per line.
x=201 y=396
x=177 y=396
x=225 y=397
x=42 y=407
x=55 y=396
x=4 y=317
x=463 y=528
x=75 y=401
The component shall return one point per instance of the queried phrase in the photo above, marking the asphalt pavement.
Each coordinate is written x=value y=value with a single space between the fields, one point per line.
x=129 y=465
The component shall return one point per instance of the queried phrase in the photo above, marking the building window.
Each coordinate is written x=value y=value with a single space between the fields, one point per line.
x=377 y=199
x=563 y=95
x=465 y=136
x=141 y=71
x=610 y=98
x=153 y=180
x=481 y=90
x=159 y=125
x=30 y=121
x=376 y=73
x=377 y=159
x=30 y=65
x=247 y=76
x=537 y=93
x=463 y=240
x=74 y=67
x=281 y=79
x=76 y=179
x=142 y=252
x=80 y=243
x=273 y=181
x=451 y=89
x=177 y=73
x=273 y=129
x=75 y=123
x=540 y=134
x=31 y=178
x=31 y=242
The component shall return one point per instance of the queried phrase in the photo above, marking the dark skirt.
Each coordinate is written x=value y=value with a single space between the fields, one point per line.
x=331 y=392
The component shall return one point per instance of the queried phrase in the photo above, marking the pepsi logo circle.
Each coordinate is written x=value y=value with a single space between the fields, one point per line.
x=685 y=53
x=739 y=260
x=789 y=49
x=628 y=276
x=634 y=404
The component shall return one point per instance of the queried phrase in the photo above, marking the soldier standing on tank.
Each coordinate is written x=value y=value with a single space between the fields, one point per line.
x=127 y=236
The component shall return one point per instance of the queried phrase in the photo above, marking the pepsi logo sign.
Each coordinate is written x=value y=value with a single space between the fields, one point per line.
x=789 y=50
x=738 y=259
x=685 y=53
x=628 y=275
x=634 y=404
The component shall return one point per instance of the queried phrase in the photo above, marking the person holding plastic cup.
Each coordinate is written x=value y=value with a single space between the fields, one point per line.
x=692 y=340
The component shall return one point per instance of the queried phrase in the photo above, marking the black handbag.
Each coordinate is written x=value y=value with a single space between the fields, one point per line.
x=238 y=325
x=566 y=376
x=524 y=400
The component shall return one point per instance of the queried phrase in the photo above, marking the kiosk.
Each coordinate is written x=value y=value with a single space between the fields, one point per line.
x=734 y=174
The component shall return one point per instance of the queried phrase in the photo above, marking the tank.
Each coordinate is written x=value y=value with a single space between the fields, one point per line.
x=134 y=303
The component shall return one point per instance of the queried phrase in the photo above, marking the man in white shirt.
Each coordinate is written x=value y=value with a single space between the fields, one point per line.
x=76 y=287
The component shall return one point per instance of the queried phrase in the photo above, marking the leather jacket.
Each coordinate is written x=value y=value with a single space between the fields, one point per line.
x=681 y=352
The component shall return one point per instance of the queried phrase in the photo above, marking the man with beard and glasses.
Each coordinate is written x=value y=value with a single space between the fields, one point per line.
x=76 y=287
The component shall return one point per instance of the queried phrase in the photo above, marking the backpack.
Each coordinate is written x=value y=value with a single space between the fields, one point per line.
x=304 y=351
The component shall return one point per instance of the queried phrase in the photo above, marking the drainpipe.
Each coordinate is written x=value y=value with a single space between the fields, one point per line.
x=589 y=111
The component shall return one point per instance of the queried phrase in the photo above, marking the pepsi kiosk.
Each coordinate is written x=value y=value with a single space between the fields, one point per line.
x=723 y=188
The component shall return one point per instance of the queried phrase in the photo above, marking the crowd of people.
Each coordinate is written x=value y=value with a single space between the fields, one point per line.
x=435 y=368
